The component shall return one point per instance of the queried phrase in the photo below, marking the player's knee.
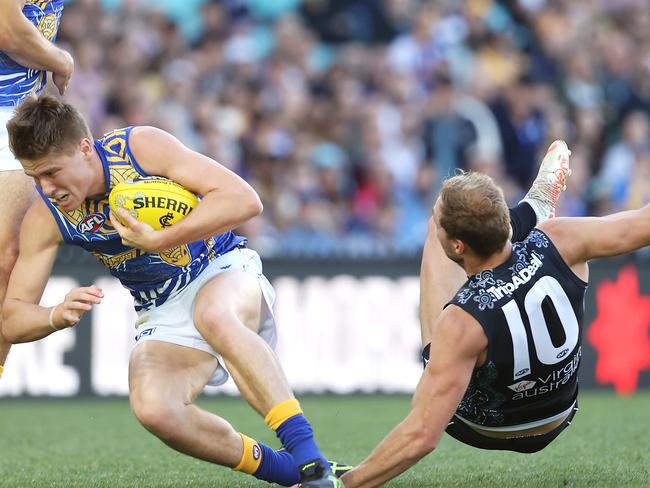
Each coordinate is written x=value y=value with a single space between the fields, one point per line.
x=220 y=310
x=160 y=417
x=216 y=322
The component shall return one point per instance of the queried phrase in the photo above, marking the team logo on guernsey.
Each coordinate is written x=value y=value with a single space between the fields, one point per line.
x=519 y=278
x=47 y=26
x=177 y=256
x=91 y=223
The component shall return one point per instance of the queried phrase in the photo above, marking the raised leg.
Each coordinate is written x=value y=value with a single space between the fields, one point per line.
x=440 y=279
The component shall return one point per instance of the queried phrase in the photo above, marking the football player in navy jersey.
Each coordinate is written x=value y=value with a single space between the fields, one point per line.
x=203 y=303
x=503 y=349
x=27 y=32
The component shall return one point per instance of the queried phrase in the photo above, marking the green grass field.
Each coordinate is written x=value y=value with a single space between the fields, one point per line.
x=98 y=443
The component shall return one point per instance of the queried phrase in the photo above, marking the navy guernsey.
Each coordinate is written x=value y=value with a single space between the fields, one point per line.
x=531 y=309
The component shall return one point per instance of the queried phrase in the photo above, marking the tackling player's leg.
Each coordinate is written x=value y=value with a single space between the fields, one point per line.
x=540 y=202
x=550 y=181
x=440 y=279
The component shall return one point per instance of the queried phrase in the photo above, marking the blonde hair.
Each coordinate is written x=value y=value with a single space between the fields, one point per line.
x=474 y=210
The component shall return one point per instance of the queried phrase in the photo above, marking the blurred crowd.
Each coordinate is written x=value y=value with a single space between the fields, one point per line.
x=346 y=115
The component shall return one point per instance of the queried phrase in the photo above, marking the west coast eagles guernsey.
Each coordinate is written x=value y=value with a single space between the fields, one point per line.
x=531 y=309
x=16 y=81
x=150 y=277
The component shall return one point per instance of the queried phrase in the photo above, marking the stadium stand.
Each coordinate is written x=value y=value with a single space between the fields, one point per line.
x=345 y=115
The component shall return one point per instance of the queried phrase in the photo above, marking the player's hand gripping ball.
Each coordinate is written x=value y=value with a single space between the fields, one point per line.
x=156 y=201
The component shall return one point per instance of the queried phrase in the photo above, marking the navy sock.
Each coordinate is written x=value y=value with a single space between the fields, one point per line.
x=297 y=437
x=522 y=221
x=277 y=467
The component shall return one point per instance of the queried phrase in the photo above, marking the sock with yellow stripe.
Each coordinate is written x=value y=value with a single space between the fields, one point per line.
x=267 y=464
x=294 y=431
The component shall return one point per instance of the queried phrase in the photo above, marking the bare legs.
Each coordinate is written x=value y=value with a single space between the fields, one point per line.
x=165 y=378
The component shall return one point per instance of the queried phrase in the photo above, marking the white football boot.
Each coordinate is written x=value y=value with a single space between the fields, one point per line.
x=550 y=182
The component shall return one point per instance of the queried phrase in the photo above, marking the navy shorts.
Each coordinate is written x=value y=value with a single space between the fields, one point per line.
x=462 y=432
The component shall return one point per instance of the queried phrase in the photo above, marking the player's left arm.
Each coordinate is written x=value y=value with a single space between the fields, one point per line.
x=227 y=200
x=457 y=344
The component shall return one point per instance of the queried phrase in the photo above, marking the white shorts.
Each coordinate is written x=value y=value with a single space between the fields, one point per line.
x=7 y=160
x=172 y=321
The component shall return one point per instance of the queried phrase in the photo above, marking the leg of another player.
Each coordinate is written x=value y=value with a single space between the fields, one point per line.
x=17 y=192
x=540 y=202
x=227 y=312
x=440 y=279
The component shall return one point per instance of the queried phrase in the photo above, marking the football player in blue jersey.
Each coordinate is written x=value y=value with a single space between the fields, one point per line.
x=27 y=32
x=203 y=303
x=503 y=349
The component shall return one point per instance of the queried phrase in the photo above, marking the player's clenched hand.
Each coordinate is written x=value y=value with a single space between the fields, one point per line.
x=135 y=233
x=61 y=77
x=77 y=302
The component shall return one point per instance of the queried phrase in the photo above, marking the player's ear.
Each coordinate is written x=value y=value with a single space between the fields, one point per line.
x=86 y=146
x=459 y=246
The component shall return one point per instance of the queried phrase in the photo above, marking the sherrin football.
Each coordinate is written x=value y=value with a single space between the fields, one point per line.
x=156 y=201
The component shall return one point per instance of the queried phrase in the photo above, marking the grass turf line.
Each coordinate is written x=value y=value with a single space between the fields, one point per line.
x=98 y=443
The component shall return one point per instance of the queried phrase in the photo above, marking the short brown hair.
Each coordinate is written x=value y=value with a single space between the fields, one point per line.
x=45 y=125
x=474 y=210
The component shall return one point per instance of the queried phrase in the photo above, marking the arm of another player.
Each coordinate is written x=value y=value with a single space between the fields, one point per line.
x=23 y=319
x=579 y=239
x=458 y=342
x=23 y=43
x=228 y=201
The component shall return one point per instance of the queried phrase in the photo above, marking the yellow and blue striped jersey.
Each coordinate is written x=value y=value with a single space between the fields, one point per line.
x=16 y=81
x=150 y=277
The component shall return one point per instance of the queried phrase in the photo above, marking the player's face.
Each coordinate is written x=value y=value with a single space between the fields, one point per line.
x=65 y=177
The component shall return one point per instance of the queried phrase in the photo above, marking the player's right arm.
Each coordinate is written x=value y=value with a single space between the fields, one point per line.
x=22 y=42
x=23 y=319
x=579 y=239
x=458 y=344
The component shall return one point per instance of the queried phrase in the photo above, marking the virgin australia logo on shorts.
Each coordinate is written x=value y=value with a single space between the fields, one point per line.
x=523 y=385
x=518 y=279
x=144 y=333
